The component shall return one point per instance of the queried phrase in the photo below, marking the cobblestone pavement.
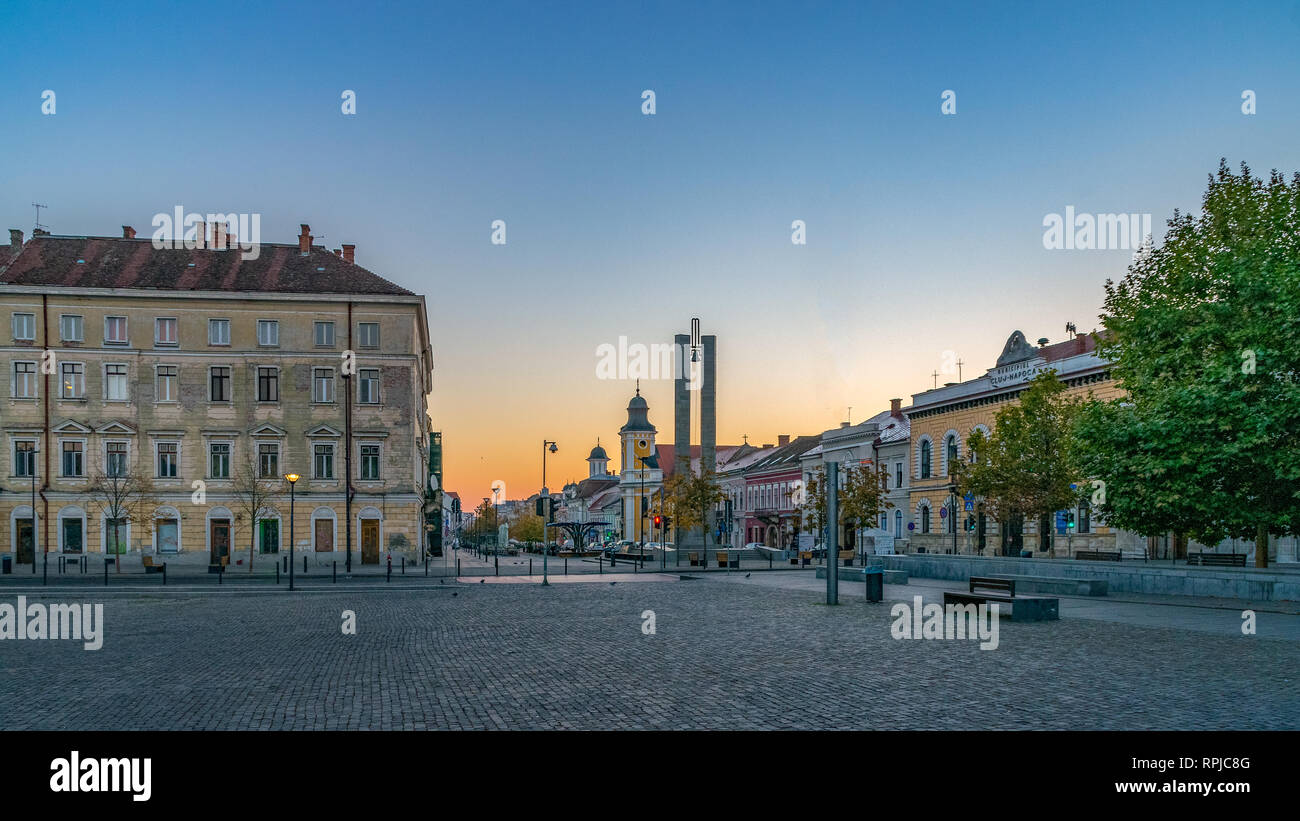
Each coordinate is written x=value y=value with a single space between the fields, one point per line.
x=724 y=656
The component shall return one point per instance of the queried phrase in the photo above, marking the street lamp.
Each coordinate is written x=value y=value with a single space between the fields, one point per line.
x=292 y=479
x=35 y=449
x=546 y=509
x=952 y=514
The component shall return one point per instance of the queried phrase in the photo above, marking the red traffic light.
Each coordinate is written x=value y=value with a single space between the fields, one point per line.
x=658 y=520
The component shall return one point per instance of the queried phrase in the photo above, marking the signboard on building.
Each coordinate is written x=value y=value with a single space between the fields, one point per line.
x=1016 y=372
x=884 y=544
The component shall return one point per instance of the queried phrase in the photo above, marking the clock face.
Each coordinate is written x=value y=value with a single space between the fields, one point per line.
x=641 y=446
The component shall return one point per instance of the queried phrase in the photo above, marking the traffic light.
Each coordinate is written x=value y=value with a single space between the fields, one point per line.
x=659 y=520
x=541 y=505
x=1069 y=520
x=668 y=522
x=970 y=524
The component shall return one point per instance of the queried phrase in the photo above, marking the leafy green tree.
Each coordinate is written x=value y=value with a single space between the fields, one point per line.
x=860 y=498
x=1028 y=465
x=688 y=498
x=1204 y=334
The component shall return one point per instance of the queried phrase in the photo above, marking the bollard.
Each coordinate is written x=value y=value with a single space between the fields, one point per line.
x=304 y=564
x=496 y=563
x=769 y=561
x=277 y=572
x=403 y=565
x=458 y=565
x=286 y=563
x=600 y=562
x=336 y=572
x=530 y=566
x=106 y=574
x=164 y=574
x=426 y=564
x=566 y=565
x=388 y=577
x=221 y=574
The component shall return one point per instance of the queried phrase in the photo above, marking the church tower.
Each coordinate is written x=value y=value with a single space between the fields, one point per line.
x=639 y=483
x=597 y=462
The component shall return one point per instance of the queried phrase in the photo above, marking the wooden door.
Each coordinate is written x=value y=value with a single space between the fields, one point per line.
x=26 y=541
x=324 y=535
x=220 y=539
x=370 y=541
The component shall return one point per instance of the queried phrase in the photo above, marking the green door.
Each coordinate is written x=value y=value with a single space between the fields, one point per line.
x=270 y=535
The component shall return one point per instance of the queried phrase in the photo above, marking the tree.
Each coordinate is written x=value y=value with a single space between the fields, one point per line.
x=125 y=497
x=526 y=526
x=253 y=495
x=1204 y=336
x=1028 y=465
x=688 y=498
x=860 y=498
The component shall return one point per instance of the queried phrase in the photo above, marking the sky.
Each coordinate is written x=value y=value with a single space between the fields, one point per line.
x=924 y=230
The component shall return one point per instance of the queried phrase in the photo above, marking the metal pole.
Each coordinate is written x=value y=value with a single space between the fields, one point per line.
x=34 y=540
x=832 y=532
x=292 y=486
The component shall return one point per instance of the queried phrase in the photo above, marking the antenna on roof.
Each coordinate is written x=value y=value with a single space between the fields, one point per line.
x=1070 y=329
x=38 y=207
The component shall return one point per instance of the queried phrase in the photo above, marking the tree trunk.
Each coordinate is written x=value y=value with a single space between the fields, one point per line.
x=252 y=547
x=1261 y=545
x=117 y=547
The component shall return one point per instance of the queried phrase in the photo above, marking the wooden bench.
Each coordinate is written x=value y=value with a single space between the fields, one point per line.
x=1099 y=555
x=847 y=557
x=150 y=566
x=805 y=558
x=1217 y=559
x=1022 y=608
x=723 y=561
x=220 y=566
x=695 y=559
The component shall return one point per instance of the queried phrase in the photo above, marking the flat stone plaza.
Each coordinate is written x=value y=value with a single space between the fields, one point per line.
x=726 y=653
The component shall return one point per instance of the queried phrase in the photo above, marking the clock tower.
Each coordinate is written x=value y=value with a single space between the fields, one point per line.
x=639 y=483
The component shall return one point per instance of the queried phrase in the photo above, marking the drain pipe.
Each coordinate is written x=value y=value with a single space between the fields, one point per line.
x=347 y=444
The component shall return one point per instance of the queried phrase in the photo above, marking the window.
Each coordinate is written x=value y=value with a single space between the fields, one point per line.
x=165 y=331
x=219 y=384
x=325 y=334
x=268 y=461
x=368 y=334
x=370 y=461
x=25 y=380
x=323 y=385
x=268 y=332
x=1083 y=523
x=73 y=381
x=25 y=458
x=115 y=383
x=218 y=331
x=925 y=461
x=369 y=386
x=73 y=458
x=898 y=524
x=25 y=326
x=168 y=458
x=950 y=446
x=71 y=328
x=115 y=330
x=167 y=379
x=925 y=518
x=219 y=460
x=324 y=462
x=268 y=385
x=898 y=475
x=115 y=459
x=115 y=535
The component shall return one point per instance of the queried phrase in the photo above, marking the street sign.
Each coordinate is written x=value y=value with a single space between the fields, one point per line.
x=970 y=505
x=943 y=512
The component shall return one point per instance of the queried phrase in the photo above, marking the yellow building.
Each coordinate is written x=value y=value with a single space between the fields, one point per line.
x=188 y=367
x=942 y=421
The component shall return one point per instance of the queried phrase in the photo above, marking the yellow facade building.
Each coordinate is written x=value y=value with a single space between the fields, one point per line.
x=193 y=367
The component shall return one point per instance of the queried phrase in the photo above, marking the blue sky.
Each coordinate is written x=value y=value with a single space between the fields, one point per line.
x=924 y=230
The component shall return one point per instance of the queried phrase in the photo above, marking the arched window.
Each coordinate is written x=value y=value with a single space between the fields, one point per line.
x=925 y=459
x=950 y=445
x=898 y=524
x=925 y=518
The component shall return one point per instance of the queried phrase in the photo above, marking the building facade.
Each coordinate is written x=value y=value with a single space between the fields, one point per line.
x=198 y=371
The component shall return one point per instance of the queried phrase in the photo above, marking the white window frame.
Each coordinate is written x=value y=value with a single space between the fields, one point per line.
x=126 y=330
x=361 y=334
x=30 y=320
x=317 y=380
x=333 y=459
x=63 y=385
x=258 y=386
x=257 y=446
x=62 y=464
x=361 y=461
x=214 y=324
x=80 y=328
x=316 y=329
x=361 y=383
x=176 y=331
x=230 y=458
x=30 y=379
x=127 y=466
x=13 y=449
x=230 y=385
x=157 y=454
x=274 y=326
x=126 y=382
x=157 y=384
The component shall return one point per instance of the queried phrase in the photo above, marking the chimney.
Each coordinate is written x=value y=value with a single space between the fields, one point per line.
x=895 y=407
x=219 y=236
x=348 y=251
x=338 y=252
x=15 y=241
x=128 y=232
x=304 y=239
x=782 y=440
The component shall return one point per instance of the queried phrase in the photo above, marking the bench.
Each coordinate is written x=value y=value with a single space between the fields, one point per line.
x=1022 y=608
x=1217 y=559
x=847 y=557
x=695 y=559
x=1099 y=555
x=723 y=560
x=805 y=558
x=150 y=566
x=220 y=565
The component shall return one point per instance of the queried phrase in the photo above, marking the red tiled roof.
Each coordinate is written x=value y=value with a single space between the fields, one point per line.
x=112 y=262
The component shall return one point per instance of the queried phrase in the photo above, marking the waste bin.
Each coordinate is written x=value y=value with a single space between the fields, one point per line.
x=875 y=579
x=7 y=565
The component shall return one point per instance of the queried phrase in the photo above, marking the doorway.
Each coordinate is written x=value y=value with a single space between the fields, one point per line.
x=1013 y=535
x=269 y=535
x=325 y=535
x=73 y=533
x=219 y=539
x=168 y=536
x=26 y=541
x=370 y=541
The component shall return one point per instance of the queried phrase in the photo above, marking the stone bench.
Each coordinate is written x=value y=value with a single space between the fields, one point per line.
x=855 y=574
x=1057 y=585
x=1021 y=608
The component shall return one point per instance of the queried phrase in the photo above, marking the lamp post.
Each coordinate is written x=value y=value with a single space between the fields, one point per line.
x=35 y=449
x=952 y=514
x=292 y=479
x=546 y=509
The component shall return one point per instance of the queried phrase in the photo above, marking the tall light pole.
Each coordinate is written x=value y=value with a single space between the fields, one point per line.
x=35 y=449
x=292 y=479
x=952 y=514
x=546 y=508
